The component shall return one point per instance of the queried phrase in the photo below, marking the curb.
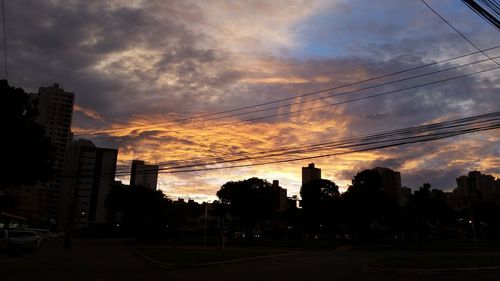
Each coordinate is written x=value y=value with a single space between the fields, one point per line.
x=153 y=261
x=11 y=261
x=172 y=265
x=433 y=270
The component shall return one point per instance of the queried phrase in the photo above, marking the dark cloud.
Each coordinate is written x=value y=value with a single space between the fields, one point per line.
x=171 y=60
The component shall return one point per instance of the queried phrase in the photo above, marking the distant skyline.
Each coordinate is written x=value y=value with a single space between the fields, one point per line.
x=137 y=62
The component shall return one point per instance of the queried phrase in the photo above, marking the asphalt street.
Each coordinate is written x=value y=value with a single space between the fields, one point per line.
x=101 y=260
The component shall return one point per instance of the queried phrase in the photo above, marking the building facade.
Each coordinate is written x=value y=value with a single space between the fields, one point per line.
x=310 y=173
x=476 y=186
x=90 y=173
x=143 y=174
x=280 y=196
x=55 y=106
x=391 y=183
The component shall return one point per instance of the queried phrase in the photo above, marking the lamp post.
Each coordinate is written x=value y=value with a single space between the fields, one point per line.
x=206 y=225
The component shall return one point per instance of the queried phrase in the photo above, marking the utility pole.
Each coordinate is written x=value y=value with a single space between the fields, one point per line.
x=206 y=226
x=4 y=41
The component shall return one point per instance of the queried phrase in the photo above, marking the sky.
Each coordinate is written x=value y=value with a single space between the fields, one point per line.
x=140 y=68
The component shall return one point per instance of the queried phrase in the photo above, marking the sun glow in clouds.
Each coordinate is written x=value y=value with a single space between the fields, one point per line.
x=138 y=67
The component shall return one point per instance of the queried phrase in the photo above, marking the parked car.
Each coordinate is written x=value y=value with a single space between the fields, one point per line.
x=43 y=233
x=54 y=235
x=17 y=242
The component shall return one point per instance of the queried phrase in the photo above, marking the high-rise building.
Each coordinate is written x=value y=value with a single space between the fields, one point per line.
x=391 y=183
x=143 y=174
x=476 y=186
x=89 y=175
x=405 y=195
x=280 y=199
x=310 y=173
x=55 y=108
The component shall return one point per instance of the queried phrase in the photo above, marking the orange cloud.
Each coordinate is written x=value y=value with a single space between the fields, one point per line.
x=87 y=112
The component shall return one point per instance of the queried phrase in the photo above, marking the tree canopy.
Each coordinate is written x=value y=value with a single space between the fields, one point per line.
x=251 y=200
x=317 y=191
x=141 y=211
x=26 y=152
x=366 y=207
x=320 y=202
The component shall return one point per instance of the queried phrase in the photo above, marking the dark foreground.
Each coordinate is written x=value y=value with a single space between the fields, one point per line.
x=93 y=260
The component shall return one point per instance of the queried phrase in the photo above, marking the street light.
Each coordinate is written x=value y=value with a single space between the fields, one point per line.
x=206 y=225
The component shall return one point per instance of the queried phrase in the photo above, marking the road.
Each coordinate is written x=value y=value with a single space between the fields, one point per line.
x=101 y=260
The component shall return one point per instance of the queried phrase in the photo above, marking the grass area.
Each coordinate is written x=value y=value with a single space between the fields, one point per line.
x=200 y=256
x=431 y=245
x=310 y=244
x=283 y=244
x=434 y=262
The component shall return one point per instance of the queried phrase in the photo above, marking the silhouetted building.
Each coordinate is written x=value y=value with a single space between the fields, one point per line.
x=476 y=186
x=291 y=202
x=310 y=173
x=90 y=174
x=391 y=183
x=405 y=195
x=144 y=175
x=280 y=199
x=55 y=108
x=179 y=201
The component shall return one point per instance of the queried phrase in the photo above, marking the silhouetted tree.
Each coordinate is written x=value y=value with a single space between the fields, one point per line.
x=320 y=202
x=251 y=200
x=486 y=218
x=140 y=211
x=367 y=209
x=429 y=212
x=26 y=152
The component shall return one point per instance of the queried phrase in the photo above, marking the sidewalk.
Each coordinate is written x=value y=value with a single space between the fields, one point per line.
x=6 y=259
x=170 y=261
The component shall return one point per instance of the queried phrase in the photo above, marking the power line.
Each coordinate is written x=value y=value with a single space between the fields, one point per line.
x=339 y=142
x=99 y=135
x=405 y=136
x=91 y=132
x=4 y=41
x=309 y=150
x=353 y=91
x=385 y=93
x=349 y=92
x=492 y=5
x=458 y=32
x=361 y=143
x=430 y=138
x=356 y=99
x=487 y=16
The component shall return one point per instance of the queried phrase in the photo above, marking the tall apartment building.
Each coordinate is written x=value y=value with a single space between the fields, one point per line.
x=280 y=198
x=55 y=108
x=391 y=183
x=310 y=173
x=476 y=186
x=143 y=174
x=90 y=174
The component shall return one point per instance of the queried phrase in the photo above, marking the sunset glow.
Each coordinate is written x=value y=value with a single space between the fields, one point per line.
x=137 y=86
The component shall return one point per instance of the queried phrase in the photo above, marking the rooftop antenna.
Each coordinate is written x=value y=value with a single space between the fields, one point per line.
x=4 y=40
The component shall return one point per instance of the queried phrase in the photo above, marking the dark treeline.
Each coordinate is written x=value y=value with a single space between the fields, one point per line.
x=26 y=152
x=248 y=210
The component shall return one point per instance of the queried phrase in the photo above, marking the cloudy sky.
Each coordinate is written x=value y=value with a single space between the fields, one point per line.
x=139 y=68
